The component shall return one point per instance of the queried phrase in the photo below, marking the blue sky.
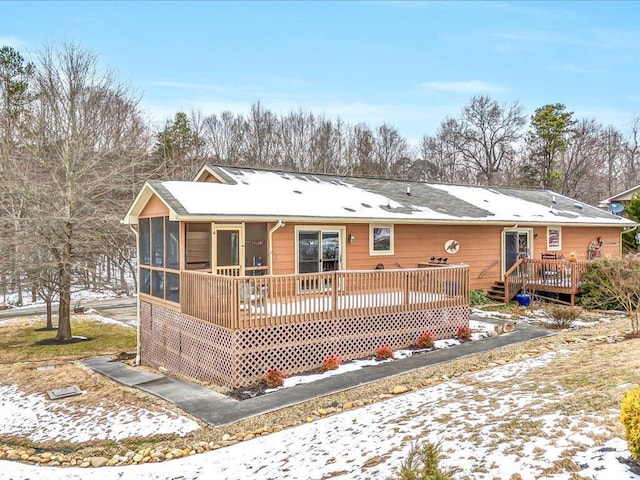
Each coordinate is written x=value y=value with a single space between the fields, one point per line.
x=410 y=64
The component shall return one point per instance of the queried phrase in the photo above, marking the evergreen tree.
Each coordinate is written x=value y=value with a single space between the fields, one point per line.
x=632 y=211
x=551 y=126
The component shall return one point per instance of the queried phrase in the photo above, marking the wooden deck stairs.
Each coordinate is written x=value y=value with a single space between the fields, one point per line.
x=496 y=292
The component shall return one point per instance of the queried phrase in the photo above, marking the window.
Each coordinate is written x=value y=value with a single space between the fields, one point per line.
x=554 y=238
x=172 y=242
x=159 y=253
x=157 y=242
x=144 y=241
x=381 y=239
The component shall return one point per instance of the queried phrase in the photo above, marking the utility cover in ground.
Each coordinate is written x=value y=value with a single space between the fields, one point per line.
x=71 y=391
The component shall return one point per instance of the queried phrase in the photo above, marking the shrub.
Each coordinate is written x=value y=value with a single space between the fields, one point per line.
x=614 y=283
x=383 y=352
x=562 y=316
x=422 y=463
x=273 y=378
x=426 y=340
x=630 y=418
x=463 y=332
x=332 y=362
x=478 y=297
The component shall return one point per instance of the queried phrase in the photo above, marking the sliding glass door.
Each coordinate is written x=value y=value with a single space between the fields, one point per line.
x=319 y=250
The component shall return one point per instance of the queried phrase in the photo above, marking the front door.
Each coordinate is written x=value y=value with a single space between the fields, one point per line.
x=228 y=250
x=516 y=244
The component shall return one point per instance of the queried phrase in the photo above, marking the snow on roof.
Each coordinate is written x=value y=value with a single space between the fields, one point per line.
x=272 y=194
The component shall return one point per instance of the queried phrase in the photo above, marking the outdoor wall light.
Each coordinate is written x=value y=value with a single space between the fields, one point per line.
x=352 y=239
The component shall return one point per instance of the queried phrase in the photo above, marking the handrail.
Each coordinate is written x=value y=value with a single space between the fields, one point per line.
x=560 y=276
x=487 y=268
x=259 y=301
x=507 y=274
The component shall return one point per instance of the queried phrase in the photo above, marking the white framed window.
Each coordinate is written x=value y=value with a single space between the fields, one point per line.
x=380 y=239
x=554 y=238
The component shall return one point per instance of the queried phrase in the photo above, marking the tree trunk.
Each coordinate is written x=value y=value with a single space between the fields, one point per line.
x=18 y=287
x=49 y=315
x=123 y=282
x=64 y=310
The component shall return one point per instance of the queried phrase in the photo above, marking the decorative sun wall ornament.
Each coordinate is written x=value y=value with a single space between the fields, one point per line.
x=451 y=246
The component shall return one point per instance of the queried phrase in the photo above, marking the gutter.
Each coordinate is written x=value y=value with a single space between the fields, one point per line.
x=398 y=221
x=277 y=226
x=137 y=361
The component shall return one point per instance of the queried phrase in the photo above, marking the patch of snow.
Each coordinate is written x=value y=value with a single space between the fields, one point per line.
x=602 y=463
x=477 y=312
x=39 y=419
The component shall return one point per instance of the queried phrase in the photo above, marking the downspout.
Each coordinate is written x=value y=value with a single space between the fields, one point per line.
x=137 y=362
x=278 y=225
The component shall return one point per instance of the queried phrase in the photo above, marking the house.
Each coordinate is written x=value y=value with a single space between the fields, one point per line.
x=243 y=269
x=617 y=202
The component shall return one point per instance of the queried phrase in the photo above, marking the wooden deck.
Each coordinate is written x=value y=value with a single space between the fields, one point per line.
x=258 y=301
x=548 y=276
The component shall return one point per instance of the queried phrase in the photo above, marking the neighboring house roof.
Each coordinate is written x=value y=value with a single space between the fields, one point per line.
x=622 y=196
x=249 y=193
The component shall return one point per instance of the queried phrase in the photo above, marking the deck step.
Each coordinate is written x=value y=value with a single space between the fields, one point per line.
x=496 y=291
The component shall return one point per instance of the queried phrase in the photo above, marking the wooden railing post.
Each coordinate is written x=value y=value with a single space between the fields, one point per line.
x=334 y=295
x=406 y=289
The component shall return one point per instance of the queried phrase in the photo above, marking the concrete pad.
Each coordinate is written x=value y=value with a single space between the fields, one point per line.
x=119 y=371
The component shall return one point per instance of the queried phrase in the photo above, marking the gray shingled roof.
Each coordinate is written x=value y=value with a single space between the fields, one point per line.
x=425 y=194
x=268 y=194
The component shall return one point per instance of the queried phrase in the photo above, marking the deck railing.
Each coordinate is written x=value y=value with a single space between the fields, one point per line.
x=559 y=276
x=259 y=301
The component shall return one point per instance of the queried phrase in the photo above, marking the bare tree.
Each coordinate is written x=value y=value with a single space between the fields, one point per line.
x=441 y=160
x=631 y=153
x=224 y=137
x=486 y=135
x=260 y=137
x=581 y=160
x=85 y=138
x=611 y=149
x=390 y=151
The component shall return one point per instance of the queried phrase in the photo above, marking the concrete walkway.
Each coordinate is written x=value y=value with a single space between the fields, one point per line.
x=217 y=409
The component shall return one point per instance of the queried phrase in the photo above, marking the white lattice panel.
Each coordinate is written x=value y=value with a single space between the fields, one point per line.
x=194 y=348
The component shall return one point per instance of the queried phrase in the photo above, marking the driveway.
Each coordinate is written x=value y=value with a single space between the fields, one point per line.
x=123 y=310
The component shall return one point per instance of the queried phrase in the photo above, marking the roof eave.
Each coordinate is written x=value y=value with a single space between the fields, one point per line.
x=141 y=200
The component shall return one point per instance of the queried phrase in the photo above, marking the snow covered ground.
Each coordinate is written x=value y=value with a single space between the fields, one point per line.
x=39 y=419
x=468 y=416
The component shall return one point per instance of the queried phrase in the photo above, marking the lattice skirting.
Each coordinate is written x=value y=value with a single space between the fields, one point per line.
x=194 y=348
